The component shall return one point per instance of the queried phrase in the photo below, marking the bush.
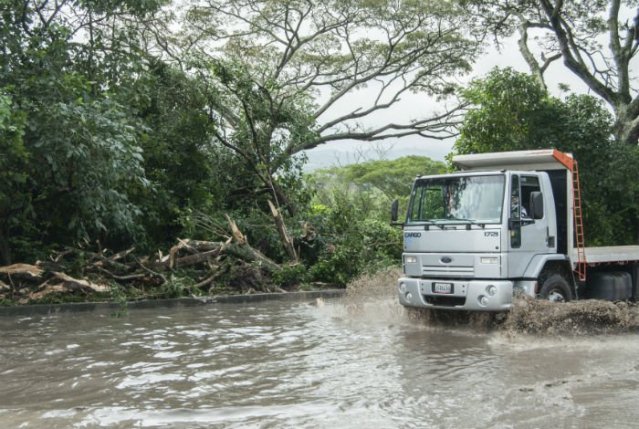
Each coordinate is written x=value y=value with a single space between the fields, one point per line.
x=291 y=275
x=352 y=223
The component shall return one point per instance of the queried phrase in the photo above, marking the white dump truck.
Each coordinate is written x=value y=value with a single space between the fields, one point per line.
x=506 y=223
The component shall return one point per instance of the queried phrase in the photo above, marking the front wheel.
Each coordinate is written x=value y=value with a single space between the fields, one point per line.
x=555 y=289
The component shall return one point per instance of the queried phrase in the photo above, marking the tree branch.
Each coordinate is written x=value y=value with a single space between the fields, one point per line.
x=570 y=54
x=439 y=127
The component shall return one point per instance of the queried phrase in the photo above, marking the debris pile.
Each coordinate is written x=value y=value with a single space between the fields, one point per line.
x=232 y=265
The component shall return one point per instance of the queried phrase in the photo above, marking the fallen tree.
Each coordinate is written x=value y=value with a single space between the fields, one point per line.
x=190 y=267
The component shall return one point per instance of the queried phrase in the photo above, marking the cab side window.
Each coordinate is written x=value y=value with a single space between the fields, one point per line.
x=529 y=184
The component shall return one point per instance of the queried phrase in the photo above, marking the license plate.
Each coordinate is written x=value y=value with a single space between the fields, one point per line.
x=442 y=288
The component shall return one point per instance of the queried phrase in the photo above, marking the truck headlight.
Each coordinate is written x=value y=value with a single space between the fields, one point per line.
x=489 y=259
x=410 y=259
x=491 y=290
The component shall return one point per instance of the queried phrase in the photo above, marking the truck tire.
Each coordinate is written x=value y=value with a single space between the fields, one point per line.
x=555 y=289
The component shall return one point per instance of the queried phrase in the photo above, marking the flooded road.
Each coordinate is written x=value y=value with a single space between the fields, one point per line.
x=309 y=364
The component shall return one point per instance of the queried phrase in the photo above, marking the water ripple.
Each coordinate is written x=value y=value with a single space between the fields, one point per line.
x=297 y=365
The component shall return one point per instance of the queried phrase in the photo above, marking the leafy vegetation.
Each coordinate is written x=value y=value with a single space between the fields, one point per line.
x=393 y=178
x=350 y=213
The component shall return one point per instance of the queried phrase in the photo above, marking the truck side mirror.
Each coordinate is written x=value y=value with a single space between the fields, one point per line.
x=394 y=210
x=537 y=204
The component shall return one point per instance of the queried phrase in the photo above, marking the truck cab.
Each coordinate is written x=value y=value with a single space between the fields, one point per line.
x=500 y=226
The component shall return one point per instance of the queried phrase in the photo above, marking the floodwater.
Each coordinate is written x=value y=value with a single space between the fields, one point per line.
x=320 y=364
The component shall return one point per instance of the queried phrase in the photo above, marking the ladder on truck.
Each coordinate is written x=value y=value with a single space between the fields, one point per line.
x=580 y=269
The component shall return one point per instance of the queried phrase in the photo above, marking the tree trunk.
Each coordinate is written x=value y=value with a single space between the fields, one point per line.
x=5 y=249
x=626 y=127
x=286 y=239
x=281 y=199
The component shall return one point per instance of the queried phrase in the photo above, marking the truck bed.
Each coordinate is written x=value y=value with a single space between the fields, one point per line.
x=602 y=255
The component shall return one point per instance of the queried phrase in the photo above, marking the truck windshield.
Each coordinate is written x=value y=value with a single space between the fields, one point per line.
x=466 y=198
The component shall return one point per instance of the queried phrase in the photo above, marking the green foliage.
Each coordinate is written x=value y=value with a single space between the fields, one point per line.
x=264 y=124
x=75 y=157
x=85 y=173
x=392 y=177
x=365 y=246
x=119 y=297
x=350 y=214
x=176 y=286
x=178 y=159
x=573 y=33
x=291 y=275
x=511 y=111
x=14 y=159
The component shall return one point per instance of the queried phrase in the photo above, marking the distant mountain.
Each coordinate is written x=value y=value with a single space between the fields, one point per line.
x=351 y=152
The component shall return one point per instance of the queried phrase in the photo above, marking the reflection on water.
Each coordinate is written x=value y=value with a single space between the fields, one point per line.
x=276 y=365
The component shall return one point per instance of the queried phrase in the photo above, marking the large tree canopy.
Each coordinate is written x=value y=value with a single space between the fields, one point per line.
x=287 y=74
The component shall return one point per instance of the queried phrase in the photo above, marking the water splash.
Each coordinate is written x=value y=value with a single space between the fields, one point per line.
x=530 y=316
x=527 y=316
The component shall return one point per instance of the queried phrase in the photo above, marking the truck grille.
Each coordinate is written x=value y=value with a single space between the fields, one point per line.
x=438 y=271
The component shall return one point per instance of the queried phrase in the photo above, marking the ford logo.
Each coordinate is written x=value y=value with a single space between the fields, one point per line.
x=446 y=259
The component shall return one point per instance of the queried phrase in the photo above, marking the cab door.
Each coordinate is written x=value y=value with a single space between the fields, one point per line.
x=528 y=236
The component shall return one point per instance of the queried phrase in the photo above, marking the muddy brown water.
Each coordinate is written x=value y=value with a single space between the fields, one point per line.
x=338 y=363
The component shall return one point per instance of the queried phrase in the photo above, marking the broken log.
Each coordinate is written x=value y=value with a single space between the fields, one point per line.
x=202 y=246
x=248 y=254
x=124 y=278
x=200 y=252
x=45 y=290
x=84 y=285
x=103 y=261
x=237 y=235
x=241 y=265
x=22 y=269
x=122 y=254
x=206 y=281
x=286 y=239
x=195 y=259
x=150 y=271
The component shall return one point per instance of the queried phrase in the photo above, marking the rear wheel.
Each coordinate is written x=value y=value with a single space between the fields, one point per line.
x=556 y=289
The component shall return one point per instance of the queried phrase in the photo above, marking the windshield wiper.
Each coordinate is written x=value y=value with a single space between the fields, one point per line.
x=461 y=219
x=425 y=223
x=451 y=221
